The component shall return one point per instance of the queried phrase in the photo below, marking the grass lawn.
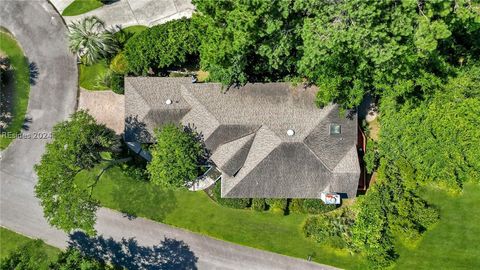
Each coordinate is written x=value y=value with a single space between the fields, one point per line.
x=78 y=7
x=89 y=75
x=21 y=90
x=134 y=29
x=195 y=211
x=454 y=242
x=10 y=240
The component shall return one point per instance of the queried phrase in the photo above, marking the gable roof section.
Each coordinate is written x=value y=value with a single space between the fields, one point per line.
x=246 y=131
x=290 y=168
x=231 y=156
x=146 y=108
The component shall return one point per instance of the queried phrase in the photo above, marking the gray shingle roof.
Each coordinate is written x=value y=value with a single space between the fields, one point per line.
x=246 y=131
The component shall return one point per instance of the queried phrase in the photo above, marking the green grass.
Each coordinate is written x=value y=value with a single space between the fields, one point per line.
x=10 y=240
x=134 y=29
x=454 y=242
x=195 y=211
x=89 y=75
x=78 y=7
x=19 y=64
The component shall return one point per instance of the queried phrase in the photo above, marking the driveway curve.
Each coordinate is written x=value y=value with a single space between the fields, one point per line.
x=41 y=33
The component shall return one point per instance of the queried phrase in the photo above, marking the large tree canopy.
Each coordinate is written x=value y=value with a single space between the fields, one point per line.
x=175 y=157
x=248 y=40
x=76 y=145
x=354 y=47
x=162 y=46
x=439 y=139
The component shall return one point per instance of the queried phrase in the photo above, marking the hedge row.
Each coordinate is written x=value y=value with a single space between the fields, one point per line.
x=280 y=206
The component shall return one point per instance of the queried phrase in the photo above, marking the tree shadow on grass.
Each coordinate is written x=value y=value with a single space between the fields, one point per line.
x=141 y=198
x=33 y=68
x=170 y=254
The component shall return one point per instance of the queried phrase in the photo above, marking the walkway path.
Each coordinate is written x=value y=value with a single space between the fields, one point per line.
x=41 y=33
x=137 y=12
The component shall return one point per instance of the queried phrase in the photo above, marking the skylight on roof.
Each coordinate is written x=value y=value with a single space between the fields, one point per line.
x=335 y=129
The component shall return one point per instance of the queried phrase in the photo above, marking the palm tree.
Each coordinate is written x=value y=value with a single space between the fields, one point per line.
x=90 y=40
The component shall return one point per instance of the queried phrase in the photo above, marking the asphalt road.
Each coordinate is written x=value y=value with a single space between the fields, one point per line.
x=41 y=33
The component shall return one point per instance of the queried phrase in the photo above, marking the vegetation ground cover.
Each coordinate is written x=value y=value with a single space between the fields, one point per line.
x=90 y=75
x=10 y=240
x=195 y=211
x=78 y=7
x=453 y=243
x=20 y=66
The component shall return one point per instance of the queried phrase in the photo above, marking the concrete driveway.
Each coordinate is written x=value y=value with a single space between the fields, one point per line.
x=105 y=106
x=137 y=12
x=41 y=33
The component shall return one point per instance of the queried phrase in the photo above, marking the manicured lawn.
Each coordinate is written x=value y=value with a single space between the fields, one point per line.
x=10 y=240
x=78 y=7
x=89 y=75
x=454 y=242
x=21 y=88
x=196 y=212
x=134 y=29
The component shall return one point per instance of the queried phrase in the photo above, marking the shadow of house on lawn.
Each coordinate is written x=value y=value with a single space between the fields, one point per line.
x=170 y=254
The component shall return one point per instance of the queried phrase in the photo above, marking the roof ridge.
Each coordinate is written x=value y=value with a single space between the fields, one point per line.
x=319 y=159
x=128 y=80
x=258 y=162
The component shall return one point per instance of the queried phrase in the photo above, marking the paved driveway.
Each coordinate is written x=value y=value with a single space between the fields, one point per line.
x=105 y=106
x=139 y=12
x=42 y=35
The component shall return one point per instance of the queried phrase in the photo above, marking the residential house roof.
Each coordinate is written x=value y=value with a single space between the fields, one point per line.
x=268 y=139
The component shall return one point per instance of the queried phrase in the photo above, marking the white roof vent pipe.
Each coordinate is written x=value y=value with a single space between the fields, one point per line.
x=168 y=101
x=290 y=132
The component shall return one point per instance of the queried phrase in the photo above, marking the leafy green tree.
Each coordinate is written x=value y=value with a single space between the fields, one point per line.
x=29 y=256
x=168 y=45
x=438 y=138
x=248 y=40
x=77 y=145
x=73 y=259
x=354 y=47
x=176 y=157
x=90 y=40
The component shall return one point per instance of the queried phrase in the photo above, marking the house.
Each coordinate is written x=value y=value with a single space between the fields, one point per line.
x=267 y=140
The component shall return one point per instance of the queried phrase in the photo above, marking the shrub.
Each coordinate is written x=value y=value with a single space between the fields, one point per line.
x=278 y=206
x=333 y=228
x=175 y=157
x=317 y=228
x=259 y=204
x=310 y=206
x=119 y=64
x=90 y=40
x=163 y=46
x=371 y=156
x=317 y=206
x=103 y=80
x=238 y=203
x=117 y=83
